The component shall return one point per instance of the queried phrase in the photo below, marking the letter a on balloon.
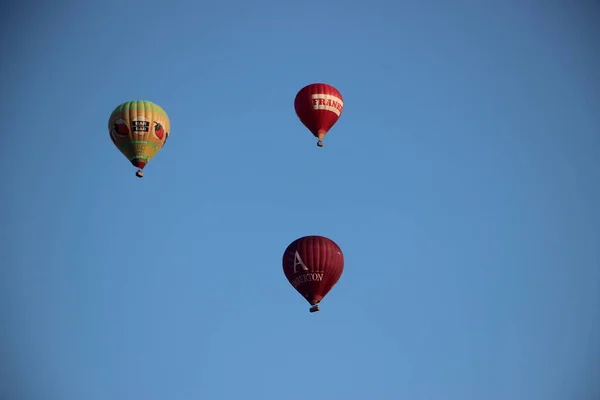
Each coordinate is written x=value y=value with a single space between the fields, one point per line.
x=298 y=262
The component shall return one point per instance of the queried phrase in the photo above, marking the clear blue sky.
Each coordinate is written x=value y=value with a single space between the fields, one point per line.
x=461 y=182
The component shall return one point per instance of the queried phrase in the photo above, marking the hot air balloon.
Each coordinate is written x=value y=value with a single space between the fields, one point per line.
x=139 y=129
x=319 y=106
x=313 y=265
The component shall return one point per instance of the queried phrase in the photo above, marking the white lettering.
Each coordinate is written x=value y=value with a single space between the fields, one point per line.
x=313 y=277
x=298 y=262
x=140 y=127
x=327 y=102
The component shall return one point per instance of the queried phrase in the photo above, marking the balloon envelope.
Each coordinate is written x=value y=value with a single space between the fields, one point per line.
x=139 y=129
x=313 y=265
x=319 y=106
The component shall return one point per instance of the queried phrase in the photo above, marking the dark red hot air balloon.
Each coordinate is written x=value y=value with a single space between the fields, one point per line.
x=313 y=265
x=319 y=106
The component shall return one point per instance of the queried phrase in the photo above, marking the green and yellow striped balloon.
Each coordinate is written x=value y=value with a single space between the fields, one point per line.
x=139 y=129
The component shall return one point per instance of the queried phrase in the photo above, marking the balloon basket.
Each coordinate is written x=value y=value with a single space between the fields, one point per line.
x=320 y=143
x=315 y=309
x=139 y=173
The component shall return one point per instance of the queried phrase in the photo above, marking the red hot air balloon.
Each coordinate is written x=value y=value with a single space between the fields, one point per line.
x=319 y=106
x=313 y=265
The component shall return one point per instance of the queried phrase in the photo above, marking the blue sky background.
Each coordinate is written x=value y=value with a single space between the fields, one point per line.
x=461 y=182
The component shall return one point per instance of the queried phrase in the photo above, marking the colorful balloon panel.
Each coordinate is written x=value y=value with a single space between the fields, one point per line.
x=313 y=265
x=139 y=129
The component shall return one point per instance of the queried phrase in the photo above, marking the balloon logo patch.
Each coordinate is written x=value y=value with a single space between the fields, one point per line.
x=120 y=128
x=327 y=102
x=305 y=274
x=140 y=125
x=159 y=130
